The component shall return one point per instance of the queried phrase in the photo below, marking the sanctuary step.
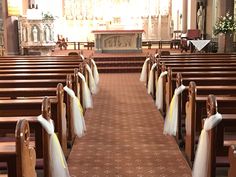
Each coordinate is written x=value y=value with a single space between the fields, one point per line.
x=119 y=65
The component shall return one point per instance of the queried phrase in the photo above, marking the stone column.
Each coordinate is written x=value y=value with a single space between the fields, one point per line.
x=10 y=32
x=223 y=8
x=184 y=16
x=192 y=14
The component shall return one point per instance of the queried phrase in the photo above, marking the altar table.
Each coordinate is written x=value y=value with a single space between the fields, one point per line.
x=118 y=41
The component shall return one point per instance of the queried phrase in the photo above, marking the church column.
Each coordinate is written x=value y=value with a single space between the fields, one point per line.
x=192 y=14
x=184 y=16
x=223 y=8
x=10 y=32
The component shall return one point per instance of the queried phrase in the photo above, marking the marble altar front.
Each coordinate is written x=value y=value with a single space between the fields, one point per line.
x=36 y=36
x=118 y=41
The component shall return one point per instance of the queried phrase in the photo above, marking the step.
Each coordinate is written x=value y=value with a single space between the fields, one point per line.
x=132 y=69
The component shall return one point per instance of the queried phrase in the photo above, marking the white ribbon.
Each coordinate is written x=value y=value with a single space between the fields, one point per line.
x=78 y=118
x=92 y=84
x=200 y=166
x=87 y=98
x=150 y=80
x=159 y=91
x=143 y=76
x=95 y=72
x=57 y=162
x=171 y=120
x=82 y=56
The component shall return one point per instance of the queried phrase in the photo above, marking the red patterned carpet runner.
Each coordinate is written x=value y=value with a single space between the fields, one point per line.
x=125 y=135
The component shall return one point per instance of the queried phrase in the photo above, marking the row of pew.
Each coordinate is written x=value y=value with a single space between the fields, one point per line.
x=34 y=89
x=201 y=85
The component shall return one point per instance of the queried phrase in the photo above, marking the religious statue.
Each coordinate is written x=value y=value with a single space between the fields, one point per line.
x=201 y=19
x=47 y=33
x=24 y=34
x=35 y=34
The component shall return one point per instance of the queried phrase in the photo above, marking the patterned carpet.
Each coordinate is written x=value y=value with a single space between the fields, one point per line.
x=124 y=135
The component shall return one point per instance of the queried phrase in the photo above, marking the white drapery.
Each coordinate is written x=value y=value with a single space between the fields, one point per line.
x=95 y=72
x=150 y=79
x=78 y=118
x=92 y=84
x=200 y=166
x=87 y=97
x=159 y=91
x=171 y=120
x=143 y=76
x=57 y=162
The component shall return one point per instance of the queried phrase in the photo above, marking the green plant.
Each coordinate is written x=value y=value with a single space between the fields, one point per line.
x=224 y=25
x=48 y=16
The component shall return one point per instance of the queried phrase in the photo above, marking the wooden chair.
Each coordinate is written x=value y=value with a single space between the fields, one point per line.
x=192 y=34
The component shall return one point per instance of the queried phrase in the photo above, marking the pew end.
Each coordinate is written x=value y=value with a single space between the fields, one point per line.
x=232 y=161
x=25 y=155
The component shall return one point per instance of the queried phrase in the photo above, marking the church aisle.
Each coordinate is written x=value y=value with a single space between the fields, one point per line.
x=124 y=135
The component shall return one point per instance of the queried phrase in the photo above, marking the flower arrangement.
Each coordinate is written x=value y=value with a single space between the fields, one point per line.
x=48 y=16
x=225 y=25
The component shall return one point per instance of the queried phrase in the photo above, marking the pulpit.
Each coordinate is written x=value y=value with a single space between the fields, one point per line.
x=36 y=36
x=118 y=41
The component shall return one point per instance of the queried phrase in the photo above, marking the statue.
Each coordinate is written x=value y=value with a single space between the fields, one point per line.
x=35 y=34
x=201 y=19
x=47 y=33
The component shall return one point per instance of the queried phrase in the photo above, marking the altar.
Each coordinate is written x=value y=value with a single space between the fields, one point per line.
x=36 y=36
x=118 y=41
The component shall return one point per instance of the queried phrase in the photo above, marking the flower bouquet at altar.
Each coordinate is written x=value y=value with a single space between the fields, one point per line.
x=225 y=26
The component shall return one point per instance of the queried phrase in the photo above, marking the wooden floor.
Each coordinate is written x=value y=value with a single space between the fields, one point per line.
x=124 y=135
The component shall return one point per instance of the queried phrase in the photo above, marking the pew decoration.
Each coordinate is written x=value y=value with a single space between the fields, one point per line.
x=82 y=56
x=159 y=91
x=92 y=85
x=143 y=76
x=78 y=118
x=87 y=98
x=95 y=72
x=170 y=125
x=150 y=80
x=201 y=161
x=57 y=163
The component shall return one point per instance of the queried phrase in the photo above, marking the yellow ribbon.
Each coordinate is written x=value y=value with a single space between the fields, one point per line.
x=171 y=108
x=55 y=139
x=80 y=107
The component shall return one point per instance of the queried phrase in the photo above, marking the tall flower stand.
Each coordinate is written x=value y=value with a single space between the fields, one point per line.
x=225 y=43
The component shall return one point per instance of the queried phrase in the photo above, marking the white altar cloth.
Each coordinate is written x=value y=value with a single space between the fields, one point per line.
x=199 y=44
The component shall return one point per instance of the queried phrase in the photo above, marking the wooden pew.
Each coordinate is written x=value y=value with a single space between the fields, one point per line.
x=14 y=152
x=216 y=135
x=31 y=107
x=195 y=110
x=20 y=157
x=232 y=161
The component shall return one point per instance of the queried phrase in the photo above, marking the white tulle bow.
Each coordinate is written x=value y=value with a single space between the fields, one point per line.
x=92 y=84
x=143 y=76
x=159 y=91
x=171 y=120
x=78 y=118
x=95 y=72
x=150 y=80
x=82 y=56
x=200 y=166
x=57 y=162
x=87 y=97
